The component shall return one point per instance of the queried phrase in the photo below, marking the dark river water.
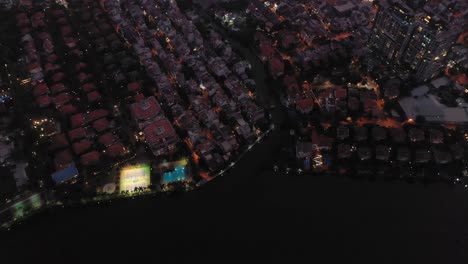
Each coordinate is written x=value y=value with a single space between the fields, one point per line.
x=251 y=214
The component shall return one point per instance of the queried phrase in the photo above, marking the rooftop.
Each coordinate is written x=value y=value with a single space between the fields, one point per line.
x=159 y=132
x=305 y=105
x=78 y=120
x=304 y=149
x=432 y=110
x=59 y=141
x=379 y=133
x=97 y=114
x=416 y=134
x=62 y=159
x=403 y=154
x=398 y=135
x=107 y=139
x=145 y=109
x=81 y=146
x=90 y=158
x=360 y=133
x=101 y=125
x=115 y=150
x=442 y=156
x=342 y=132
x=77 y=133
x=40 y=89
x=344 y=151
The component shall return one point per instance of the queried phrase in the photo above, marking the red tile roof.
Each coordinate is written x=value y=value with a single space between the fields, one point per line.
x=139 y=97
x=145 y=109
x=50 y=67
x=70 y=42
x=159 y=131
x=107 y=139
x=40 y=89
x=87 y=87
x=305 y=105
x=287 y=40
x=115 y=150
x=341 y=93
x=134 y=86
x=463 y=79
x=97 y=114
x=93 y=96
x=90 y=158
x=276 y=66
x=43 y=101
x=58 y=77
x=78 y=53
x=44 y=35
x=83 y=76
x=66 y=30
x=58 y=13
x=80 y=66
x=58 y=87
x=67 y=109
x=76 y=134
x=62 y=99
x=78 y=120
x=101 y=125
x=48 y=46
x=266 y=49
x=52 y=58
x=81 y=146
x=62 y=159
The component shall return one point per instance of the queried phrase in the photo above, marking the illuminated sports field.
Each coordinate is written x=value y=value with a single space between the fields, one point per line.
x=132 y=177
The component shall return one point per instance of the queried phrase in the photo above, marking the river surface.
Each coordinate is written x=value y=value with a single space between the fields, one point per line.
x=253 y=214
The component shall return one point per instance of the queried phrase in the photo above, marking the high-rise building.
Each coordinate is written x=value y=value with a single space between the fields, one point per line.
x=392 y=30
x=415 y=40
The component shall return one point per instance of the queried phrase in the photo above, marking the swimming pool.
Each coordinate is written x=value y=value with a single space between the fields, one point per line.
x=178 y=174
